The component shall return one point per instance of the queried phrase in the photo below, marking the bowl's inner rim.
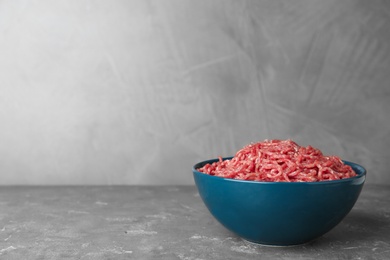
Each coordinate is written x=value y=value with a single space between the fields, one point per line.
x=360 y=171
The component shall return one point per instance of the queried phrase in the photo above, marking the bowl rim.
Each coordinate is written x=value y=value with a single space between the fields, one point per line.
x=361 y=174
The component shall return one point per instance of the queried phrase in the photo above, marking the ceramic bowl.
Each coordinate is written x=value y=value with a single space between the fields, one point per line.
x=278 y=213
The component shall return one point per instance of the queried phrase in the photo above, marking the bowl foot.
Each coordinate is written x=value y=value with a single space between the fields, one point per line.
x=271 y=245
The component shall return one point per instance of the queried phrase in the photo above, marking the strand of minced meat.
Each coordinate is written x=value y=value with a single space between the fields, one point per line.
x=280 y=161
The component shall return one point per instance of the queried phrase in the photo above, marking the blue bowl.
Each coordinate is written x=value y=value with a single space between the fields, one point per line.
x=278 y=213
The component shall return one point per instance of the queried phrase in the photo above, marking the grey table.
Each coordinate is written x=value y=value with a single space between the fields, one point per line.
x=164 y=222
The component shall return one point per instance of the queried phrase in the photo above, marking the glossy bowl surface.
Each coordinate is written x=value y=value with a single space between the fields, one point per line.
x=278 y=213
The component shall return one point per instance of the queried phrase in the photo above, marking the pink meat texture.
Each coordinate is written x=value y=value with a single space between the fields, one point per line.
x=280 y=161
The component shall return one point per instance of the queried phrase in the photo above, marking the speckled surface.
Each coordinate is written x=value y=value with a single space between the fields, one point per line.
x=164 y=222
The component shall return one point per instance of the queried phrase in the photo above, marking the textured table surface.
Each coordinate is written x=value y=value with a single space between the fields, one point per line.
x=164 y=222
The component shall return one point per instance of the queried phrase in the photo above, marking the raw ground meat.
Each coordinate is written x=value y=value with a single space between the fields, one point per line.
x=280 y=161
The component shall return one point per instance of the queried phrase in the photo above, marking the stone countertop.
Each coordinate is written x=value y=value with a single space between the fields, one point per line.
x=164 y=222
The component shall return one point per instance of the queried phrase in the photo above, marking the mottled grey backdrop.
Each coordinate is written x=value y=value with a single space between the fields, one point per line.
x=136 y=92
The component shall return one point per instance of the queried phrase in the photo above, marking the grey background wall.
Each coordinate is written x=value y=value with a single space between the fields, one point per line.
x=136 y=92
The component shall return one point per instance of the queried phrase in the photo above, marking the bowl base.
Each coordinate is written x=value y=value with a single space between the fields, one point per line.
x=272 y=245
